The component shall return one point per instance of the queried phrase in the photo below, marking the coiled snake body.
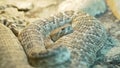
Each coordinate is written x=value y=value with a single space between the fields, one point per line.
x=66 y=40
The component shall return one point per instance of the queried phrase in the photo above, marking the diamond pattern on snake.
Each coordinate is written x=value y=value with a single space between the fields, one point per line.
x=68 y=39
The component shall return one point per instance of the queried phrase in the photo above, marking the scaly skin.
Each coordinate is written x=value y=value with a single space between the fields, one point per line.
x=12 y=54
x=75 y=50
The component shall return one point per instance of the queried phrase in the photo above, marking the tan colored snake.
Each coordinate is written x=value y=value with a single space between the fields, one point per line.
x=65 y=40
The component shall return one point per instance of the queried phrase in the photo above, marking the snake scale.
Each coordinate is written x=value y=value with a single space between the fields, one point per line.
x=68 y=39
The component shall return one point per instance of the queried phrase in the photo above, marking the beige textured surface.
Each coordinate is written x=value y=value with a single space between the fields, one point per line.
x=12 y=54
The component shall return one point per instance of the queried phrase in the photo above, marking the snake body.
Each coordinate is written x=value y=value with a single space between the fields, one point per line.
x=65 y=40
x=12 y=54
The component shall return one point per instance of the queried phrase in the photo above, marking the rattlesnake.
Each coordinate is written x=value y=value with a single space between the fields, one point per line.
x=66 y=40
x=74 y=50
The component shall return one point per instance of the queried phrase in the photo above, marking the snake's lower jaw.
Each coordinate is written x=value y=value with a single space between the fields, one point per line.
x=53 y=57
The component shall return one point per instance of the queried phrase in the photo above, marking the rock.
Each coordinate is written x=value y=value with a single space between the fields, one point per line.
x=44 y=8
x=93 y=7
x=10 y=16
x=23 y=6
x=113 y=55
x=114 y=5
